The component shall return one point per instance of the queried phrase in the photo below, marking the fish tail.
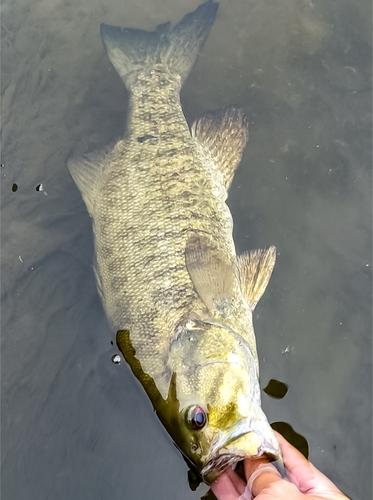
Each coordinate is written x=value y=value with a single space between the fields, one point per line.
x=176 y=48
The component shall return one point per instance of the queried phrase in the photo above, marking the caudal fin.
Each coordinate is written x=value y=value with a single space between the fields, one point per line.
x=132 y=50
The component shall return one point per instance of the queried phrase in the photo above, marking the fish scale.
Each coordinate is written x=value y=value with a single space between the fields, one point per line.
x=172 y=286
x=147 y=220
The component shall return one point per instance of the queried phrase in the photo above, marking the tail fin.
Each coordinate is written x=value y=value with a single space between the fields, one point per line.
x=131 y=50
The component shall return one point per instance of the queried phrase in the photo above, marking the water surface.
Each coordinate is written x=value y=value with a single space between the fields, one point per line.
x=74 y=425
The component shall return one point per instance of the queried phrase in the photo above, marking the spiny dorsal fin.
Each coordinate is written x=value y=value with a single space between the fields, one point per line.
x=254 y=270
x=124 y=343
x=223 y=135
x=211 y=273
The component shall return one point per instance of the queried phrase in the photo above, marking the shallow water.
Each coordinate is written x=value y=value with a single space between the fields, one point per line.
x=74 y=425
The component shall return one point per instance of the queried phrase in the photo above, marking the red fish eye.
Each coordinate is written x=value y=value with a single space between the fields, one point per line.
x=197 y=417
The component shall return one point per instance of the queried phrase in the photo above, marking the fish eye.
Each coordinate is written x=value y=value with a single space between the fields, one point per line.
x=196 y=417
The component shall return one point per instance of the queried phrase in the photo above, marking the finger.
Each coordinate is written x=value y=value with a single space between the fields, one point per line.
x=301 y=472
x=238 y=482
x=228 y=486
x=251 y=465
x=297 y=466
x=261 y=475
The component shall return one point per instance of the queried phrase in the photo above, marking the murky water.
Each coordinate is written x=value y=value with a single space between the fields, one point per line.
x=75 y=425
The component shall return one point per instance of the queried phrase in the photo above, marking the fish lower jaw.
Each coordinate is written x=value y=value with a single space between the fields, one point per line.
x=218 y=465
x=246 y=446
x=224 y=457
x=223 y=461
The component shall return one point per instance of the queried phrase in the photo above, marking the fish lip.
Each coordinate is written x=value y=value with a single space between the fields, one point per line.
x=217 y=465
x=218 y=462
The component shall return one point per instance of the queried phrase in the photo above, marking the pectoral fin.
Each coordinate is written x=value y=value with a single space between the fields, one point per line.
x=223 y=135
x=254 y=270
x=211 y=273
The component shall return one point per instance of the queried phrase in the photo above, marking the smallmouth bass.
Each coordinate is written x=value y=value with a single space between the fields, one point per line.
x=172 y=286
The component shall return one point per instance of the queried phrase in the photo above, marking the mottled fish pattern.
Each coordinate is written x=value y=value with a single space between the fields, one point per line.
x=171 y=283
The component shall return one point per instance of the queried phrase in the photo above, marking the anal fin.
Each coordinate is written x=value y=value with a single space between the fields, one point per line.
x=223 y=135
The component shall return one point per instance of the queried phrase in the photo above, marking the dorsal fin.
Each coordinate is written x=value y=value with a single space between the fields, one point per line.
x=223 y=134
x=254 y=270
x=85 y=170
x=211 y=273
x=162 y=393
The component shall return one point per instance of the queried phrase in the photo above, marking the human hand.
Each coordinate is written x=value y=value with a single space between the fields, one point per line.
x=303 y=481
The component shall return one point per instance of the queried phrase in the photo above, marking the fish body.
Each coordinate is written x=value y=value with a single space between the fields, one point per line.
x=172 y=286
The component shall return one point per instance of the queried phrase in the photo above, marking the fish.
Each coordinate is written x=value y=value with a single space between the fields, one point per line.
x=178 y=297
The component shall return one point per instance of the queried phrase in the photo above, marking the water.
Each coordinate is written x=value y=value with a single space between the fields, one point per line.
x=75 y=425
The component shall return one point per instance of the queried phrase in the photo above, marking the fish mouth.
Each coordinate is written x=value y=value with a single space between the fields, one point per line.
x=249 y=444
x=217 y=465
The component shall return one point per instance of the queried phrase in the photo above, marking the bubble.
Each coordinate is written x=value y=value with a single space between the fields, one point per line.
x=116 y=359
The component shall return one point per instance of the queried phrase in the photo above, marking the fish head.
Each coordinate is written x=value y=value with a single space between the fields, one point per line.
x=218 y=420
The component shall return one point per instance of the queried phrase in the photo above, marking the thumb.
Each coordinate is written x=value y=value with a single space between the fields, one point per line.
x=261 y=476
x=302 y=473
